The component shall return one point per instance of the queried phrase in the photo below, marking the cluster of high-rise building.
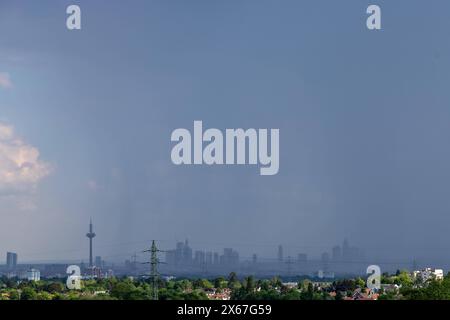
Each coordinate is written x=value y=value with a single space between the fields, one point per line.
x=346 y=253
x=342 y=259
x=183 y=258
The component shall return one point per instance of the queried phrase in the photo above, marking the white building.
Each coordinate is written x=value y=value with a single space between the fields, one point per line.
x=428 y=274
x=33 y=275
x=324 y=274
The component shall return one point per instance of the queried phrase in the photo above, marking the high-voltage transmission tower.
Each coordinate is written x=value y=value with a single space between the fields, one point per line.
x=154 y=262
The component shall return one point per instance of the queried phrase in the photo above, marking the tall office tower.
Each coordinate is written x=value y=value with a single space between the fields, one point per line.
x=280 y=253
x=346 y=255
x=199 y=258
x=11 y=260
x=229 y=258
x=98 y=262
x=336 y=254
x=187 y=253
x=209 y=258
x=216 y=258
x=90 y=235
x=325 y=259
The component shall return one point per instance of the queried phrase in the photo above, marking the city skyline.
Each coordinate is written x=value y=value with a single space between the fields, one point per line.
x=184 y=259
x=340 y=259
x=86 y=118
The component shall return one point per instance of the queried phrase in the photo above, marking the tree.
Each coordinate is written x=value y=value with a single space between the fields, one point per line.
x=195 y=295
x=13 y=294
x=184 y=285
x=292 y=294
x=28 y=293
x=202 y=284
x=310 y=289
x=264 y=285
x=43 y=295
x=218 y=282
x=249 y=284
x=360 y=282
x=276 y=282
x=403 y=278
x=303 y=285
x=54 y=287
x=123 y=290
x=309 y=293
x=232 y=278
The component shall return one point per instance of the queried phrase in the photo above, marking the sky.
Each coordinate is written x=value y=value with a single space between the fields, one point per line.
x=86 y=118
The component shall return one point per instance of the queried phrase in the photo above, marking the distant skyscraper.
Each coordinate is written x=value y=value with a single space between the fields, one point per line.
x=11 y=260
x=187 y=253
x=178 y=253
x=280 y=253
x=350 y=253
x=90 y=235
x=199 y=258
x=216 y=258
x=181 y=256
x=98 y=261
x=325 y=259
x=336 y=254
x=346 y=256
x=209 y=258
x=229 y=257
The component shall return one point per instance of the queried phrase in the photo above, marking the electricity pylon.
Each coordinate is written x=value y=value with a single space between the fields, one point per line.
x=154 y=262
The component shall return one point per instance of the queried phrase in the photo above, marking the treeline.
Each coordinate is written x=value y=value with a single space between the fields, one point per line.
x=399 y=286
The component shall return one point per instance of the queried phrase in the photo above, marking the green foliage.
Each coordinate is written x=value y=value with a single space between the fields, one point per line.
x=434 y=290
x=360 y=283
x=220 y=283
x=54 y=287
x=233 y=281
x=249 y=284
x=388 y=296
x=28 y=293
x=43 y=295
x=404 y=279
x=202 y=284
x=127 y=290
x=276 y=282
x=247 y=288
x=184 y=285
